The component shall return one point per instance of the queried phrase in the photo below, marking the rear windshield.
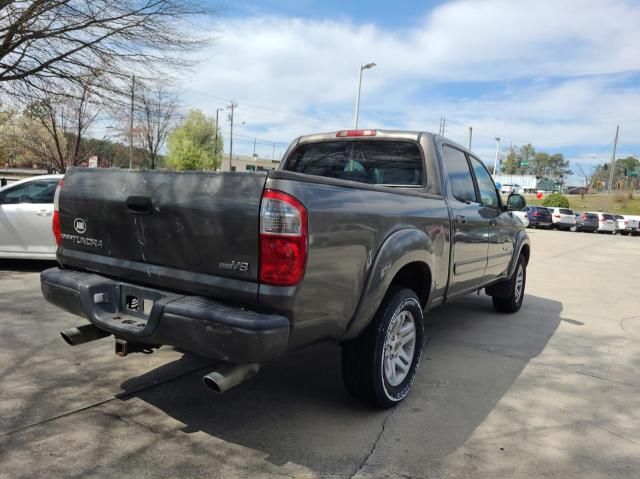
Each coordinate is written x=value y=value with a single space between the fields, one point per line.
x=618 y=217
x=394 y=163
x=591 y=216
x=607 y=217
x=542 y=210
x=564 y=211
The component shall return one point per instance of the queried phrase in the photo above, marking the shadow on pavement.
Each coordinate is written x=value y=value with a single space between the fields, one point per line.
x=26 y=265
x=296 y=410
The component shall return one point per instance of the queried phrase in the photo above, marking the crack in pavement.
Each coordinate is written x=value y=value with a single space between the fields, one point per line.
x=121 y=396
x=375 y=443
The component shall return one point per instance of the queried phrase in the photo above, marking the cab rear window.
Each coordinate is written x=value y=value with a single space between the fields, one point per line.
x=375 y=162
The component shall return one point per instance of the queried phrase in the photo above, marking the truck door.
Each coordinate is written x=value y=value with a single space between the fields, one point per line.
x=502 y=231
x=470 y=228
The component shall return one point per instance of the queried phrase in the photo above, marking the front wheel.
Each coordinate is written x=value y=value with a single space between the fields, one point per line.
x=511 y=302
x=379 y=366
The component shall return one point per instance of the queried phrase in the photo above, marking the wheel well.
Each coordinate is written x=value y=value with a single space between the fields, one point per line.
x=417 y=277
x=525 y=252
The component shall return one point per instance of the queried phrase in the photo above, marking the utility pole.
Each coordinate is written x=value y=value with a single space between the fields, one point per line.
x=133 y=94
x=254 y=147
x=443 y=125
x=273 y=156
x=231 y=107
x=215 y=141
x=470 y=136
x=613 y=159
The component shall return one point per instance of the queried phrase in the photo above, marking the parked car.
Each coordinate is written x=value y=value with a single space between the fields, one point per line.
x=626 y=225
x=26 y=209
x=523 y=217
x=227 y=264
x=508 y=189
x=634 y=224
x=539 y=217
x=562 y=218
x=606 y=223
x=587 y=222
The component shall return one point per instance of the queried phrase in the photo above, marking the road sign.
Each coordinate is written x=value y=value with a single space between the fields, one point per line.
x=633 y=173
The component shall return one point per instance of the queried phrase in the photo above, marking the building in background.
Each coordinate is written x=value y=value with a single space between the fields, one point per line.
x=248 y=163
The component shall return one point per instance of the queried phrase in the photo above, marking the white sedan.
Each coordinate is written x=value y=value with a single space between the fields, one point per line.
x=26 y=213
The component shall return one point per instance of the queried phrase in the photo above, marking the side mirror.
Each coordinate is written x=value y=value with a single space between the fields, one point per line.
x=516 y=202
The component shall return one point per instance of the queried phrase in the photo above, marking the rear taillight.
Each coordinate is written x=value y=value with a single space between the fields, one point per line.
x=536 y=213
x=56 y=214
x=283 y=239
x=556 y=216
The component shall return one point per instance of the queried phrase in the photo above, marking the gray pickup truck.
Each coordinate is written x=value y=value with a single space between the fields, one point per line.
x=351 y=240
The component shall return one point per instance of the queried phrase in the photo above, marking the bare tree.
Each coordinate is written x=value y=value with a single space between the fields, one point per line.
x=46 y=45
x=154 y=119
x=54 y=128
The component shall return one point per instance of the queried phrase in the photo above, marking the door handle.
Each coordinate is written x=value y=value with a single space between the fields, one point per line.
x=461 y=219
x=43 y=213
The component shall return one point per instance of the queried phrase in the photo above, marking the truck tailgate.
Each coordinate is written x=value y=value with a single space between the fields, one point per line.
x=192 y=231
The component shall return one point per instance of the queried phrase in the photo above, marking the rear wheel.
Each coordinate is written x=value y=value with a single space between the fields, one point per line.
x=511 y=302
x=379 y=366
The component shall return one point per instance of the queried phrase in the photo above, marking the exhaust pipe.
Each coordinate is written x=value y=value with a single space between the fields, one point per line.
x=229 y=375
x=83 y=334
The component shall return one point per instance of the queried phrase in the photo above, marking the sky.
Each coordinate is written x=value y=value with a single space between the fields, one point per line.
x=558 y=74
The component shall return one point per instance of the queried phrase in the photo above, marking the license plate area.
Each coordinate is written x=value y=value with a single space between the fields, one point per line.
x=137 y=302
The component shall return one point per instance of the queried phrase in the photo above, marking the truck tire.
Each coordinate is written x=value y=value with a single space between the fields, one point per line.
x=512 y=302
x=379 y=366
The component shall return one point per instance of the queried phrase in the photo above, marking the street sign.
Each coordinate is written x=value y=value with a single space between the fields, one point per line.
x=633 y=173
x=524 y=163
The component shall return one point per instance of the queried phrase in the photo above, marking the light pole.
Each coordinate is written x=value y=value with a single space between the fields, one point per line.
x=495 y=162
x=362 y=67
x=215 y=142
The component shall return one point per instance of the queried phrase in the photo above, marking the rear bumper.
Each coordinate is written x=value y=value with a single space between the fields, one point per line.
x=539 y=222
x=193 y=323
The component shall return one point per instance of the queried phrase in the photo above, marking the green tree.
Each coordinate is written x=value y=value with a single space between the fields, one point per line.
x=512 y=163
x=191 y=146
x=556 y=200
x=524 y=160
x=626 y=165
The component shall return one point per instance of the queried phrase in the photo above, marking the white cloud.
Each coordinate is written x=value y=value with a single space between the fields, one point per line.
x=293 y=76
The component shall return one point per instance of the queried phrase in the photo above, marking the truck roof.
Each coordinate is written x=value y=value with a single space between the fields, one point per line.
x=364 y=134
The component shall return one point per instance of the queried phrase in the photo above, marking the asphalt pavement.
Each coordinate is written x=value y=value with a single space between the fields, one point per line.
x=552 y=391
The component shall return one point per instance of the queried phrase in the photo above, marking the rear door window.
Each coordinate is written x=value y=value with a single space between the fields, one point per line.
x=459 y=174
x=375 y=162
x=564 y=211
